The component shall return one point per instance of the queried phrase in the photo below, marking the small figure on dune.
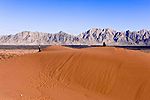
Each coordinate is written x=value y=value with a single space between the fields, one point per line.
x=39 y=47
x=104 y=44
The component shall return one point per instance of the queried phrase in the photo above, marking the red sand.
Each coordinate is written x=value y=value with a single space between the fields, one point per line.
x=61 y=73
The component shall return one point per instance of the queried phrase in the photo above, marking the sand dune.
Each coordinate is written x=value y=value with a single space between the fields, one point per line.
x=62 y=73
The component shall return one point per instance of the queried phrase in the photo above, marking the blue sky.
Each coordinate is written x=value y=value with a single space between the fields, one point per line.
x=73 y=16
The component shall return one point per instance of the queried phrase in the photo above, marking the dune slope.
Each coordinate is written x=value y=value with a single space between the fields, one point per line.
x=61 y=73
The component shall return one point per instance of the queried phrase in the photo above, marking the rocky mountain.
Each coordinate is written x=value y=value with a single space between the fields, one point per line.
x=112 y=37
x=36 y=38
x=93 y=36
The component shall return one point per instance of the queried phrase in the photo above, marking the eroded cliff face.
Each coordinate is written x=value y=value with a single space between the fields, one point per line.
x=93 y=36
x=112 y=37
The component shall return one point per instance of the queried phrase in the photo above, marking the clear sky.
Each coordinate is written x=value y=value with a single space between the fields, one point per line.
x=73 y=16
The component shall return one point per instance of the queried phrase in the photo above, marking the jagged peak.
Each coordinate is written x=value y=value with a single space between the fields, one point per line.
x=61 y=32
x=143 y=30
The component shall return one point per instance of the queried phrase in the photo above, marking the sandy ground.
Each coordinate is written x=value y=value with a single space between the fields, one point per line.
x=61 y=73
x=7 y=54
x=146 y=51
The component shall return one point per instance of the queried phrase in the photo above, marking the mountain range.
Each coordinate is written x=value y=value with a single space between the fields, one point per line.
x=94 y=36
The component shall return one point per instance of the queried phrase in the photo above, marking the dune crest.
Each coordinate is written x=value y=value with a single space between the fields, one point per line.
x=62 y=73
x=56 y=47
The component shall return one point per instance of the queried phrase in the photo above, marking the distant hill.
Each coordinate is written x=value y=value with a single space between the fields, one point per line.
x=93 y=36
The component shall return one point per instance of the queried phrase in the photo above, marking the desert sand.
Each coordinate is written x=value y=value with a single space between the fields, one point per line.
x=7 y=54
x=62 y=73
